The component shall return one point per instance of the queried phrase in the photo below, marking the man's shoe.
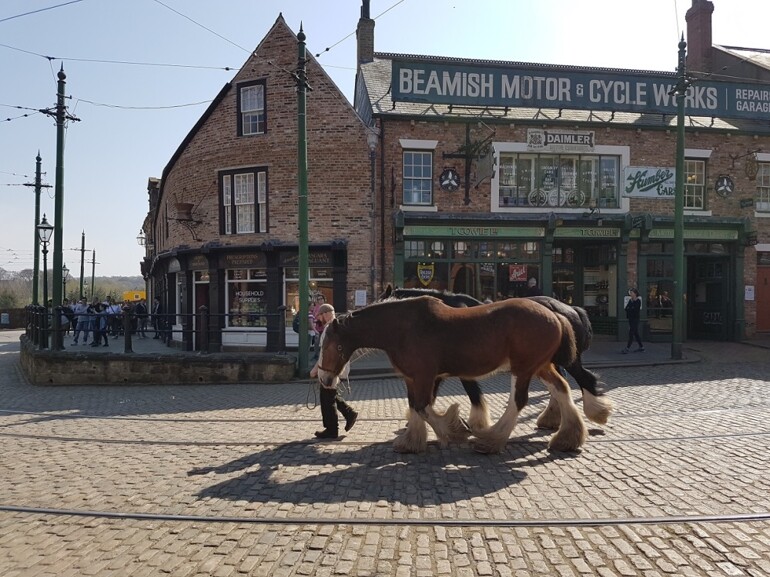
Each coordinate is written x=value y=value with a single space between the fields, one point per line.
x=327 y=434
x=350 y=420
x=640 y=350
x=625 y=351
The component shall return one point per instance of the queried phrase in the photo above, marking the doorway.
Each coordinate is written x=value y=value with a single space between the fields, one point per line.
x=762 y=298
x=708 y=297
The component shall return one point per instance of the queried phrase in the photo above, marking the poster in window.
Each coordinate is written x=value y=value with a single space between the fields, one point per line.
x=517 y=272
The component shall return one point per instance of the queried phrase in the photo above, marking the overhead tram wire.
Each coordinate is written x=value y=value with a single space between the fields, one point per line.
x=352 y=33
x=40 y=10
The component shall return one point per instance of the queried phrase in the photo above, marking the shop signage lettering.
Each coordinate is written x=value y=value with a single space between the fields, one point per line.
x=474 y=231
x=243 y=260
x=598 y=232
x=490 y=85
x=647 y=182
x=559 y=141
x=250 y=296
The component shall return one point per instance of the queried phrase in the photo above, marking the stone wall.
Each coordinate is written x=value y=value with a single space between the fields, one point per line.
x=88 y=368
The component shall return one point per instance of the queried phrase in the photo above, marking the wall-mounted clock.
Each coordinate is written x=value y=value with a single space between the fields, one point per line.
x=449 y=180
x=724 y=186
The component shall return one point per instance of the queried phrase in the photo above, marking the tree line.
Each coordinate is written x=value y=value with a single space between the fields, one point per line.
x=16 y=287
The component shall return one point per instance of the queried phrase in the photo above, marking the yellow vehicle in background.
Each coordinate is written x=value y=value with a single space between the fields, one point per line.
x=134 y=296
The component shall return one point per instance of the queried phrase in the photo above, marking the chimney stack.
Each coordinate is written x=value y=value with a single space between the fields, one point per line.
x=699 y=44
x=365 y=35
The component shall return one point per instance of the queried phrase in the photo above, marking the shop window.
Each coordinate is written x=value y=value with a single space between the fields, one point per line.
x=244 y=201
x=763 y=187
x=695 y=184
x=567 y=180
x=320 y=283
x=251 y=109
x=418 y=177
x=246 y=298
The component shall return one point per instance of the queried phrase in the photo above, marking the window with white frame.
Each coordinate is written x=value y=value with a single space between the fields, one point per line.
x=763 y=186
x=244 y=201
x=567 y=180
x=418 y=177
x=251 y=109
x=695 y=184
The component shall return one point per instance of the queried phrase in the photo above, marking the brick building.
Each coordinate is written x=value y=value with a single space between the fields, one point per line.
x=222 y=227
x=496 y=173
x=484 y=175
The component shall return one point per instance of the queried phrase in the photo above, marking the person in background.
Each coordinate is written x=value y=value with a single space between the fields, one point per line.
x=157 y=318
x=83 y=321
x=330 y=396
x=532 y=288
x=633 y=312
x=140 y=310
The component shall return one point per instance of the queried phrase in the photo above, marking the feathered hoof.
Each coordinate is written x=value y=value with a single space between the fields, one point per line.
x=458 y=429
x=487 y=447
x=405 y=444
x=548 y=420
x=568 y=441
x=597 y=409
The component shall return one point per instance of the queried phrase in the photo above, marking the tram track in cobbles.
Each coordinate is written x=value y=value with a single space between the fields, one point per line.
x=228 y=480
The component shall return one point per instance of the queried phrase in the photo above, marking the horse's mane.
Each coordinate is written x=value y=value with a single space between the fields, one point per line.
x=445 y=296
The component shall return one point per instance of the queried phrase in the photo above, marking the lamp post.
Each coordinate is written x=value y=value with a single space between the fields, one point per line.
x=64 y=272
x=371 y=141
x=44 y=232
x=677 y=314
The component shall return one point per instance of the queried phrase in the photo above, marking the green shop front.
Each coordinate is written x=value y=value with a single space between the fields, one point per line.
x=583 y=263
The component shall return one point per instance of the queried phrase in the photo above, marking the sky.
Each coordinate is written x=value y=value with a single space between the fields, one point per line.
x=140 y=73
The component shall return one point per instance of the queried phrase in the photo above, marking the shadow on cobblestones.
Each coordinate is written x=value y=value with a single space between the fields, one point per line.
x=439 y=476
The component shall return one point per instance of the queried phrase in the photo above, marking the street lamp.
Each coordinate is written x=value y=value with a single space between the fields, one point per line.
x=64 y=272
x=141 y=239
x=44 y=232
x=371 y=140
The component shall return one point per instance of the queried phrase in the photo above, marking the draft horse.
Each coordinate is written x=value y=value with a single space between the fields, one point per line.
x=427 y=341
x=595 y=406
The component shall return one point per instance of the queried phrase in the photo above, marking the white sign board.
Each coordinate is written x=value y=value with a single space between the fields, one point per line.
x=649 y=182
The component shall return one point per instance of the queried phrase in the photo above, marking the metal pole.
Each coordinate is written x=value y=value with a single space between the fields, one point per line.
x=679 y=303
x=44 y=336
x=82 y=260
x=36 y=265
x=58 y=223
x=93 y=272
x=304 y=289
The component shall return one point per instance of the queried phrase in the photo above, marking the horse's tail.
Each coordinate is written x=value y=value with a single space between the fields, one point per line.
x=588 y=330
x=567 y=352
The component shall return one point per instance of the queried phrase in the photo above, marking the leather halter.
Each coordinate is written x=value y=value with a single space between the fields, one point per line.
x=342 y=356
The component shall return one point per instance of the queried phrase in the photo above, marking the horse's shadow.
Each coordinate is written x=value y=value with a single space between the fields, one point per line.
x=307 y=474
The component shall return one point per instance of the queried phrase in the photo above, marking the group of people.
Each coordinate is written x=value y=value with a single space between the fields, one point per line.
x=101 y=319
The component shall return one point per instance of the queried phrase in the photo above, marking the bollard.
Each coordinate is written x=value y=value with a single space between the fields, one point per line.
x=282 y=329
x=127 y=332
x=43 y=320
x=203 y=329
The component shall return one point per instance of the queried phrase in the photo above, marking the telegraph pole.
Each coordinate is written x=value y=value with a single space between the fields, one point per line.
x=304 y=292
x=36 y=259
x=61 y=116
x=93 y=273
x=680 y=91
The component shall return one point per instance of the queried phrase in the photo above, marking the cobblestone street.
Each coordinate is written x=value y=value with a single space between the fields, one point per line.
x=228 y=480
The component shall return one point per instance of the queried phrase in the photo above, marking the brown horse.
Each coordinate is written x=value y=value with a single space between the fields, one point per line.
x=595 y=406
x=427 y=341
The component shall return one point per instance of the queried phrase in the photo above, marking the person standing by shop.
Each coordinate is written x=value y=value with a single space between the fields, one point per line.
x=330 y=396
x=633 y=312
